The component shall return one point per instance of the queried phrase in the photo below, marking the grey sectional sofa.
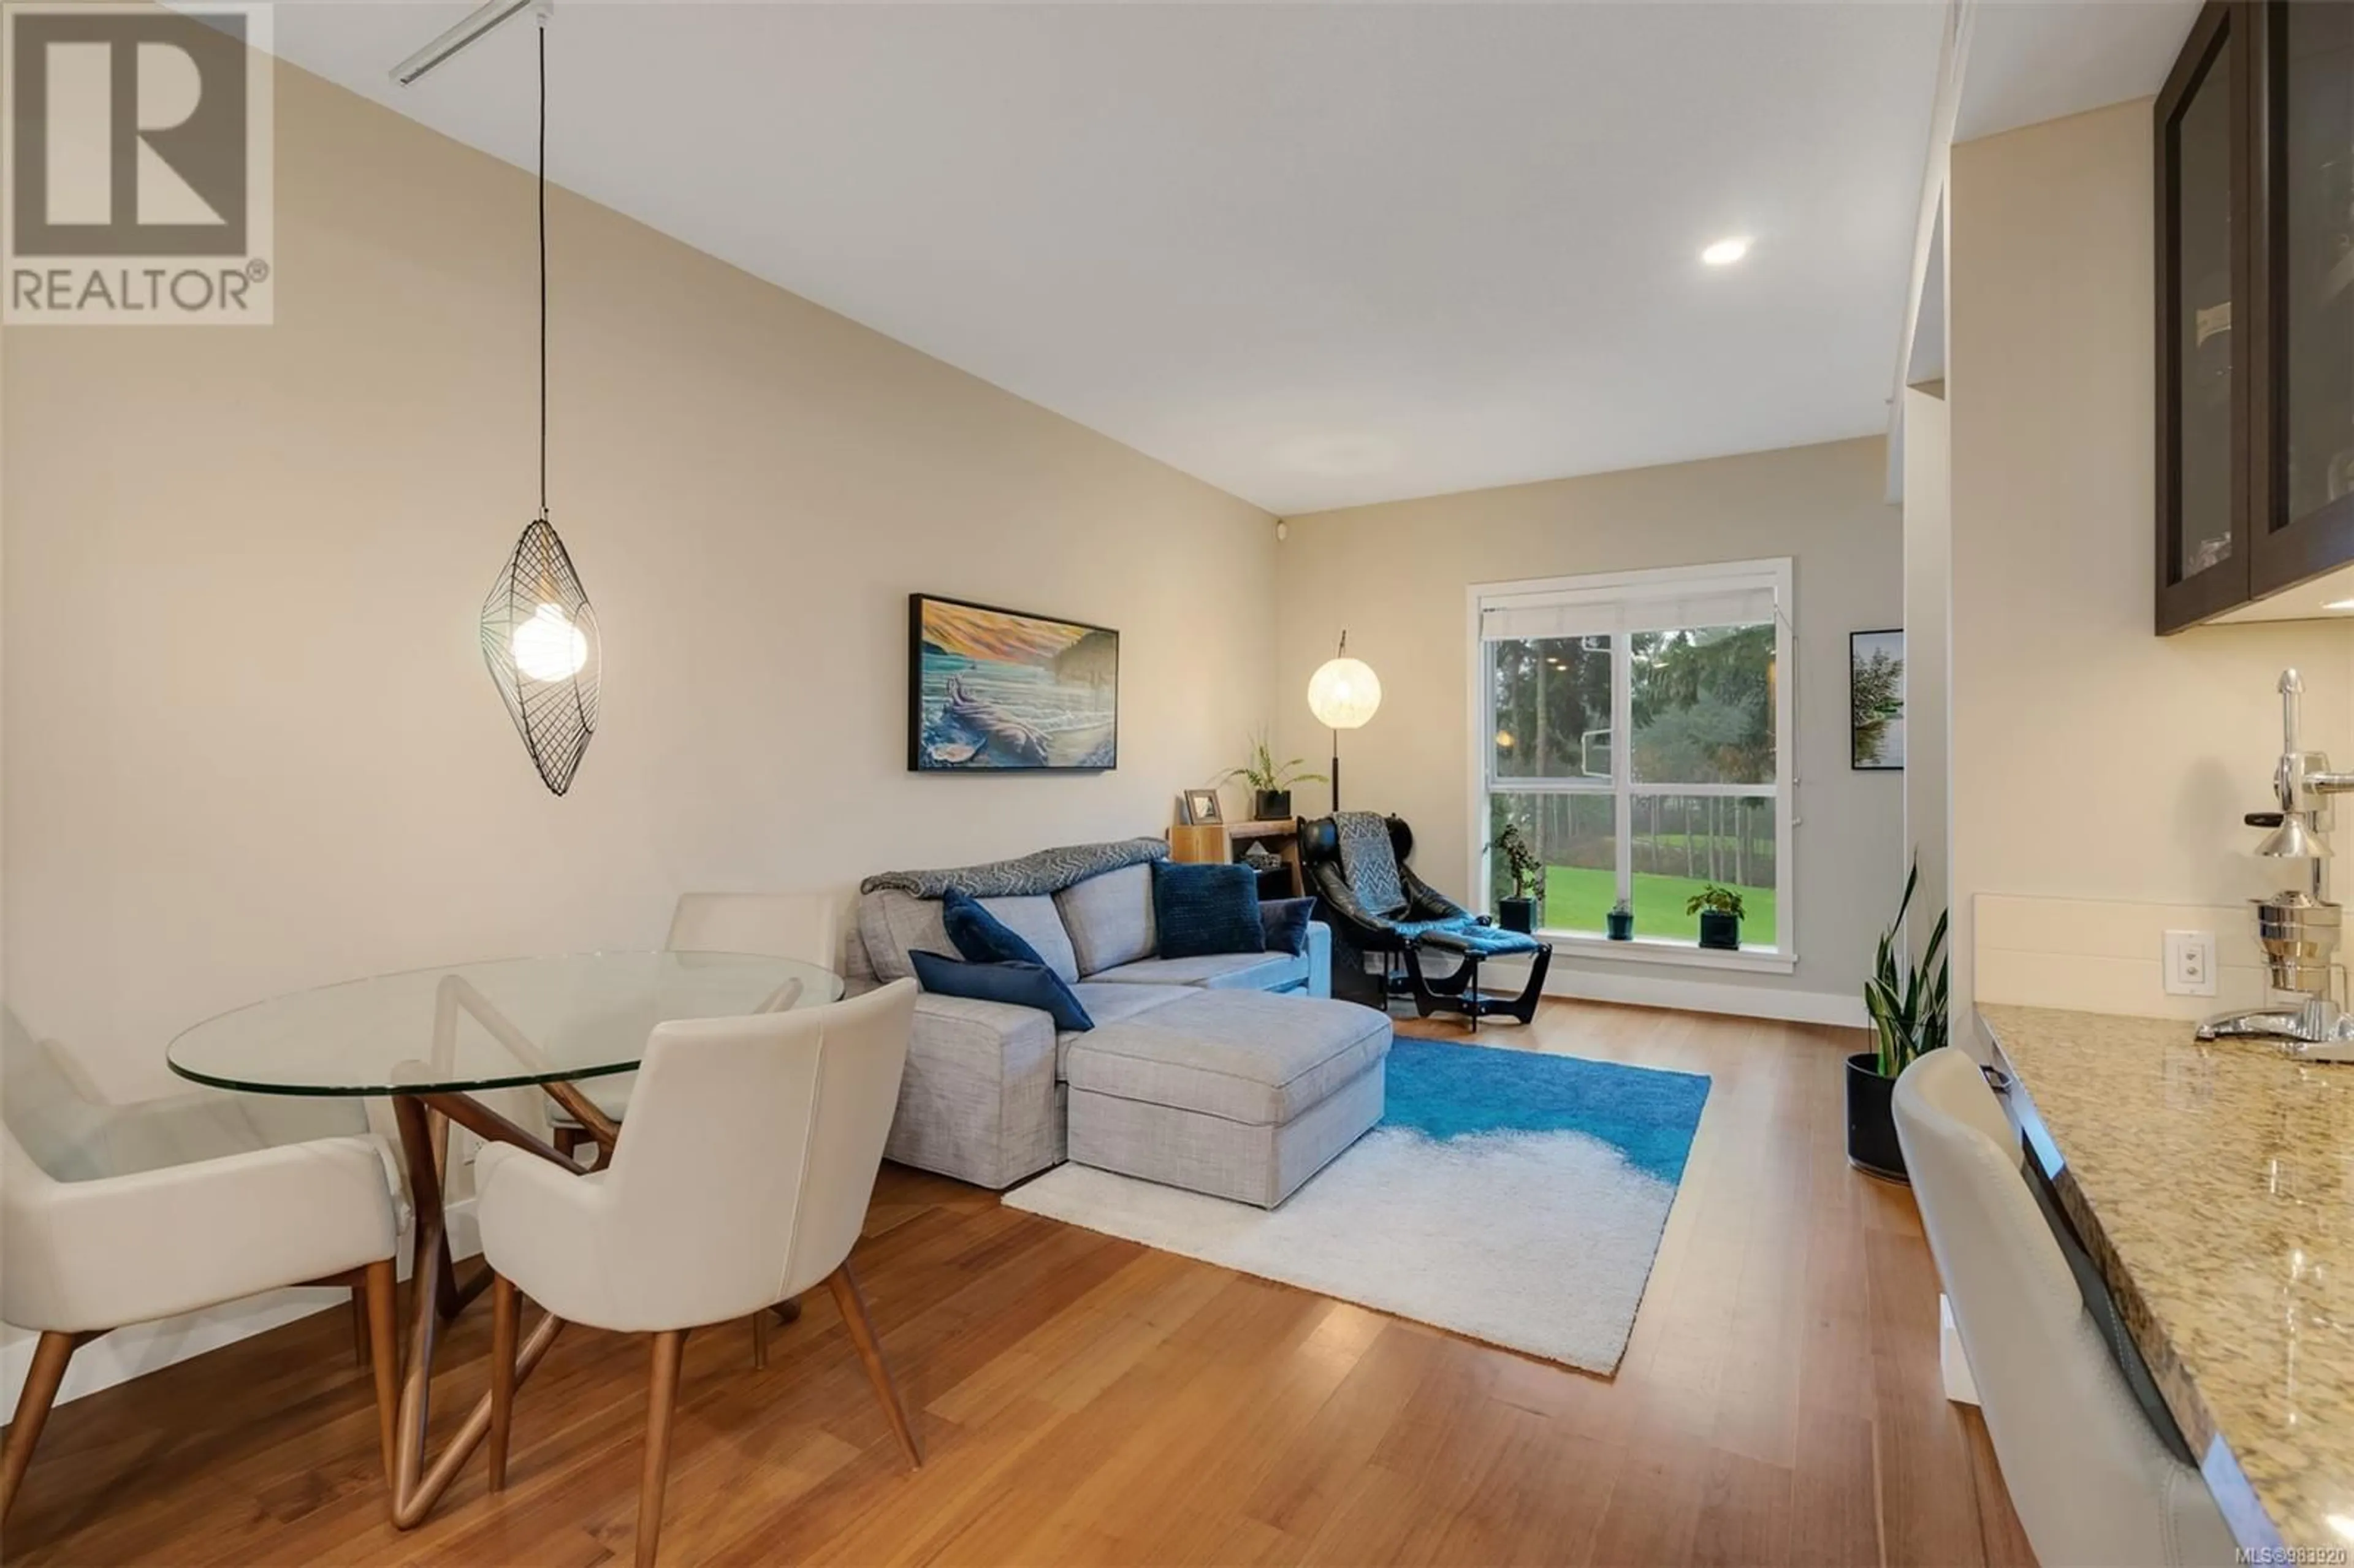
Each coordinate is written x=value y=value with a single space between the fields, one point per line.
x=987 y=1091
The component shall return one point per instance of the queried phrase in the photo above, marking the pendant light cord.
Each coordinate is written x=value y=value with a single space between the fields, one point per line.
x=543 y=266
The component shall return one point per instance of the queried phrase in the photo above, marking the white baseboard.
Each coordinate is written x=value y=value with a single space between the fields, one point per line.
x=1656 y=989
x=142 y=1347
x=1960 y=1386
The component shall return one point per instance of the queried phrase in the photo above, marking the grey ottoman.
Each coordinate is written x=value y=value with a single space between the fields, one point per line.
x=1237 y=1094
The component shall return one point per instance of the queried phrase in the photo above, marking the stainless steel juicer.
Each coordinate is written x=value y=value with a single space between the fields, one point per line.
x=2298 y=928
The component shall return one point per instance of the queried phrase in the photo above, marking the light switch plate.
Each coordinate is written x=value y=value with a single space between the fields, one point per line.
x=2190 y=963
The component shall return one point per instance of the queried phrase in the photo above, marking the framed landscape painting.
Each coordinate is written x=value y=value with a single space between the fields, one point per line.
x=998 y=691
x=1875 y=691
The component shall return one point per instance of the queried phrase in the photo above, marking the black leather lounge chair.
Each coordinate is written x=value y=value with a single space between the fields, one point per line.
x=1365 y=890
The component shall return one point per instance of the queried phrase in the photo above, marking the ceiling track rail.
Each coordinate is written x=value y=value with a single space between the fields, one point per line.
x=463 y=35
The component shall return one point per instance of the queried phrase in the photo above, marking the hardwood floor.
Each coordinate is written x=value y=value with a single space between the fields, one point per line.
x=1085 y=1400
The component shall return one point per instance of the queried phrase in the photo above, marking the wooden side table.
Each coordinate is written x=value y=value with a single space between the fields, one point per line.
x=1282 y=838
x=1197 y=844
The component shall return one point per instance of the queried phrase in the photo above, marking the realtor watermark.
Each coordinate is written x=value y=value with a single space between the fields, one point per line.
x=135 y=144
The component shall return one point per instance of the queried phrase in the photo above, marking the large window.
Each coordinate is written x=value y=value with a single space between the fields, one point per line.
x=1636 y=725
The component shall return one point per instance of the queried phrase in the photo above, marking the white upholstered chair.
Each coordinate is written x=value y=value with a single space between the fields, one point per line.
x=800 y=925
x=773 y=925
x=2092 y=1481
x=741 y=1179
x=80 y=1258
x=75 y=1130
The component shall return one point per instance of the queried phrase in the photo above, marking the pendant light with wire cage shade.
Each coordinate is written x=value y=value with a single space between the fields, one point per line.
x=540 y=638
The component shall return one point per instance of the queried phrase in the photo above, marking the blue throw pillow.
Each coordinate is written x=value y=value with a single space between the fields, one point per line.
x=1284 y=921
x=1023 y=985
x=1203 y=909
x=982 y=936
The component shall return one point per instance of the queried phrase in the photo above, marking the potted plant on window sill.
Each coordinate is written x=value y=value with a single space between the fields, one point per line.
x=1270 y=781
x=1519 y=912
x=1619 y=924
x=1907 y=1003
x=1719 y=913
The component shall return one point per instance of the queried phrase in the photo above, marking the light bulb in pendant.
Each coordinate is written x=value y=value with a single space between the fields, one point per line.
x=548 y=647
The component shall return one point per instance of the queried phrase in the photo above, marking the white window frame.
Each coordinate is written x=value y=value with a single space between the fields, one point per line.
x=1625 y=587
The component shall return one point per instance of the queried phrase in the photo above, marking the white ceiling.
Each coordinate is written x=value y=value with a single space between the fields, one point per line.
x=2033 y=61
x=1316 y=255
x=1313 y=254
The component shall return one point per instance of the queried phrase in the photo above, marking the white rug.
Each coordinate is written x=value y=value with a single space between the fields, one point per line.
x=1536 y=1241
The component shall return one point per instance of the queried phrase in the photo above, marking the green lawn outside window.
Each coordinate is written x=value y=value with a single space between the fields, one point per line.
x=1576 y=899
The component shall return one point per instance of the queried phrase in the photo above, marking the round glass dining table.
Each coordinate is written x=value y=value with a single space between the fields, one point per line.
x=468 y=1027
x=428 y=1041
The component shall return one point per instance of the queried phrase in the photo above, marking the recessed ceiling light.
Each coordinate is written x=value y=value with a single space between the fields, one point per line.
x=2340 y=604
x=1725 y=252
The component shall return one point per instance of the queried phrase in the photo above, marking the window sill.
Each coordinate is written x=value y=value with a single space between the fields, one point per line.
x=1659 y=950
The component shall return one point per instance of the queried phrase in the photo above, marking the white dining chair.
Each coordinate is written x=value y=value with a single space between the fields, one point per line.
x=804 y=926
x=799 y=926
x=2091 y=1478
x=79 y=1258
x=75 y=1131
x=741 y=1180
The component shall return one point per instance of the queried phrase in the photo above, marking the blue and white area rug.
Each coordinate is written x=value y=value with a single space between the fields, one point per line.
x=1512 y=1196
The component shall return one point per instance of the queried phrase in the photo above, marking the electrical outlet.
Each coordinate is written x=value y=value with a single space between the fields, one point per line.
x=2190 y=963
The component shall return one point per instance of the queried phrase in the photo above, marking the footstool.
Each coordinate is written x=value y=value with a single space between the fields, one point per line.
x=1240 y=1094
x=1459 y=991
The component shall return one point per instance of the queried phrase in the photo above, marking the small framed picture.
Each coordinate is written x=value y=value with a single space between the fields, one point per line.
x=1876 y=700
x=1202 y=807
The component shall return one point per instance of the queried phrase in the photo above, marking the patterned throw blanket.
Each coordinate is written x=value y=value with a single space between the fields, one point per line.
x=1048 y=870
x=1369 y=865
x=1369 y=862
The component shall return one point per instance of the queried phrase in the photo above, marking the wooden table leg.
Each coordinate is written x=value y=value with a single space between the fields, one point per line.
x=599 y=1127
x=427 y=1260
x=433 y=1295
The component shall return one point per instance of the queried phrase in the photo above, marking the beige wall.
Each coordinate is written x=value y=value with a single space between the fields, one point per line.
x=250 y=744
x=2092 y=759
x=1928 y=579
x=1395 y=576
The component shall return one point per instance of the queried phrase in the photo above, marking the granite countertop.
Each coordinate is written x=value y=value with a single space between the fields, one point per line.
x=2213 y=1185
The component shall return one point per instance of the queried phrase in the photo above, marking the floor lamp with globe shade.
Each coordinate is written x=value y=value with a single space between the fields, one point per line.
x=1342 y=695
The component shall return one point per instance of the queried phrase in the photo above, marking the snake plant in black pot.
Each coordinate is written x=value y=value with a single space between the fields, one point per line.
x=1907 y=1005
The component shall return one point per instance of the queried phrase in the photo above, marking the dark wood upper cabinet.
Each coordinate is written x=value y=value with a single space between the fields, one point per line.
x=2255 y=133
x=2203 y=272
x=2302 y=503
